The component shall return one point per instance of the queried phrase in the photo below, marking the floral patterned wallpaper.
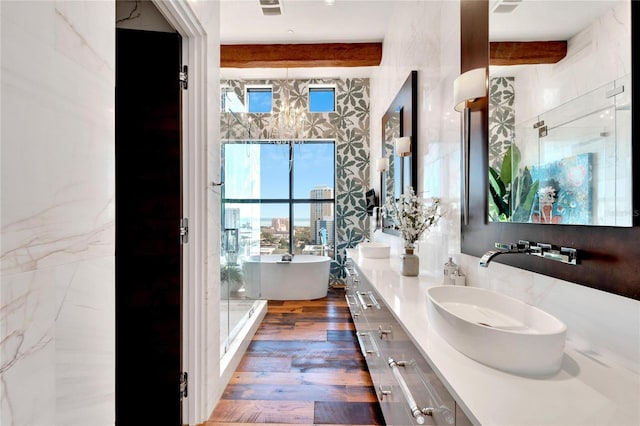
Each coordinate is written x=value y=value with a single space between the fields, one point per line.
x=501 y=118
x=348 y=126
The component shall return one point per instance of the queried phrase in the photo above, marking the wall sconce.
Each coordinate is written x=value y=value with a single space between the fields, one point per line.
x=403 y=146
x=468 y=87
x=383 y=164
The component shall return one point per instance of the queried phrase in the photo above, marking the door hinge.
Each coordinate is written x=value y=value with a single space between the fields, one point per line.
x=183 y=77
x=184 y=385
x=184 y=230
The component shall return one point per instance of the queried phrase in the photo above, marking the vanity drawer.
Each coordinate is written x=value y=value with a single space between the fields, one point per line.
x=410 y=393
x=408 y=390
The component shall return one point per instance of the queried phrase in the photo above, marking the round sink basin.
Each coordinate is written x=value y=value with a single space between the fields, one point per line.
x=498 y=330
x=374 y=250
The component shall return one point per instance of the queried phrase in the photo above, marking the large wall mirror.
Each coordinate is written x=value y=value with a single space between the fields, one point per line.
x=569 y=130
x=560 y=112
x=400 y=121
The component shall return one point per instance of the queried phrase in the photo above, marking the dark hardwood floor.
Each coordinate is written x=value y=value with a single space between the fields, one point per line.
x=303 y=366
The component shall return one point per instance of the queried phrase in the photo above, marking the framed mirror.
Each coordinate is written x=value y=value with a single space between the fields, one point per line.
x=560 y=112
x=607 y=255
x=400 y=121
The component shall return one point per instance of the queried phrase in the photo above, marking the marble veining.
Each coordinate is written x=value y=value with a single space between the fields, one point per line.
x=57 y=304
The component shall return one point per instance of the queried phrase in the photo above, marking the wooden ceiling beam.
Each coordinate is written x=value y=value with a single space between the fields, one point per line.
x=370 y=54
x=526 y=52
x=300 y=55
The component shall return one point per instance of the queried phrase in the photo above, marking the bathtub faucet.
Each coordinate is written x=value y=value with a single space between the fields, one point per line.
x=287 y=257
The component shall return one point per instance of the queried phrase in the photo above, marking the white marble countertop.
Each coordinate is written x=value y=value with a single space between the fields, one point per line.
x=586 y=391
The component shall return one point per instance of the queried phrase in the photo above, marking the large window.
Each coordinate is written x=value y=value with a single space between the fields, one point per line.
x=288 y=189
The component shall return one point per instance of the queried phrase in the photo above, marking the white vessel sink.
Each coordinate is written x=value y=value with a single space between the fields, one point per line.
x=497 y=330
x=374 y=250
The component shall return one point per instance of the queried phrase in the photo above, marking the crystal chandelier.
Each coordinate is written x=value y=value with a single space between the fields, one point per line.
x=289 y=124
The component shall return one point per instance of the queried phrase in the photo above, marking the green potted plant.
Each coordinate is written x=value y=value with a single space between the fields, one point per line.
x=231 y=275
x=511 y=197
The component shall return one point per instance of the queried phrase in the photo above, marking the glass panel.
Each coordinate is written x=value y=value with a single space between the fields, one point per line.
x=240 y=238
x=245 y=220
x=259 y=99
x=274 y=171
x=256 y=170
x=577 y=164
x=314 y=229
x=567 y=167
x=230 y=102
x=313 y=170
x=274 y=228
x=241 y=170
x=322 y=99
x=260 y=222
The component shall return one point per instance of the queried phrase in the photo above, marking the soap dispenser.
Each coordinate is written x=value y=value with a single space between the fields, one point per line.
x=449 y=268
x=457 y=278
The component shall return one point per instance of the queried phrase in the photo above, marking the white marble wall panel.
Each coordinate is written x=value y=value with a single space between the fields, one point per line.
x=57 y=143
x=27 y=348
x=85 y=343
x=57 y=252
x=424 y=36
x=600 y=324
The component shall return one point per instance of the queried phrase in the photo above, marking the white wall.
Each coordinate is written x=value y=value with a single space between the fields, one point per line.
x=57 y=304
x=208 y=13
x=425 y=36
x=58 y=239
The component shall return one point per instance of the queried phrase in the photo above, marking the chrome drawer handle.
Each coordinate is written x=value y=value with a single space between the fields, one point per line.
x=349 y=303
x=352 y=305
x=373 y=299
x=383 y=393
x=417 y=413
x=363 y=304
x=444 y=413
x=374 y=302
x=361 y=344
x=382 y=332
x=363 y=348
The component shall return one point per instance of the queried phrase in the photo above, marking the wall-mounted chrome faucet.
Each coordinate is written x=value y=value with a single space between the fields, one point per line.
x=563 y=254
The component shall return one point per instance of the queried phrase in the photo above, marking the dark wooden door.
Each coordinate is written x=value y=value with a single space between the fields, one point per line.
x=148 y=212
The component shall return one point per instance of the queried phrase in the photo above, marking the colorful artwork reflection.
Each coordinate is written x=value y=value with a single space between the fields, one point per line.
x=565 y=193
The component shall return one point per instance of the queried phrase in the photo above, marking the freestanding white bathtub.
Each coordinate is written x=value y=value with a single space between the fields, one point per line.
x=305 y=277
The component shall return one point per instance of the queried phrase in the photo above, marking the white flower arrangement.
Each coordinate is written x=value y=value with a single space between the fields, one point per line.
x=412 y=216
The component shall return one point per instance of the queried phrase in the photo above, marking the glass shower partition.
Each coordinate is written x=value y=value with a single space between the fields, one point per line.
x=572 y=164
x=240 y=239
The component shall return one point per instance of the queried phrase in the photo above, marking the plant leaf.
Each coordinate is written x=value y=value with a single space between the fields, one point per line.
x=505 y=170
x=496 y=182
